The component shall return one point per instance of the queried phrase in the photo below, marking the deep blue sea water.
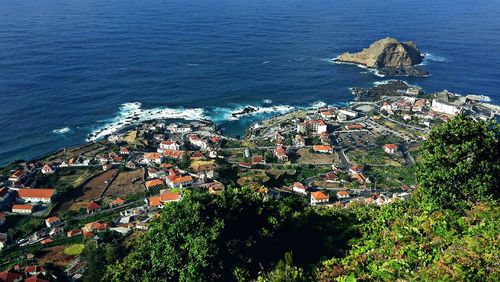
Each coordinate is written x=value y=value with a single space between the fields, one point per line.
x=68 y=66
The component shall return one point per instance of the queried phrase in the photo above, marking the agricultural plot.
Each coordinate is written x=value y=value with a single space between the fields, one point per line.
x=126 y=183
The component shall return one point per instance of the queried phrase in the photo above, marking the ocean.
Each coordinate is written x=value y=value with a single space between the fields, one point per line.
x=71 y=67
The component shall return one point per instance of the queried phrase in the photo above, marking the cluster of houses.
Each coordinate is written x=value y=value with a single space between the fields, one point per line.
x=25 y=200
x=31 y=273
x=342 y=197
x=442 y=106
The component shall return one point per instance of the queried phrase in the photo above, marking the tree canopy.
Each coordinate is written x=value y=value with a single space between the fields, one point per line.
x=460 y=163
x=231 y=238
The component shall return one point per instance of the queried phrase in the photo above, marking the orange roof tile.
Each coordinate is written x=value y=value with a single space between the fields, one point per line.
x=118 y=201
x=152 y=156
x=154 y=183
x=320 y=195
x=322 y=148
x=154 y=201
x=93 y=206
x=183 y=179
x=52 y=219
x=22 y=207
x=168 y=196
x=36 y=193
x=391 y=146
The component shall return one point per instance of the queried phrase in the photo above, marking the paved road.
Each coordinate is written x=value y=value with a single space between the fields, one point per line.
x=343 y=158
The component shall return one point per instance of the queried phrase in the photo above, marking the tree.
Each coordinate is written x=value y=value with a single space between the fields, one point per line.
x=283 y=272
x=460 y=164
x=94 y=259
x=185 y=161
x=231 y=237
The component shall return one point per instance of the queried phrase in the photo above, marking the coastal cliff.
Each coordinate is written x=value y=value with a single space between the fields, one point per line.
x=389 y=56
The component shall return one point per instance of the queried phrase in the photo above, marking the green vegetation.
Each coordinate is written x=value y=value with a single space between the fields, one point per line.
x=449 y=230
x=232 y=237
x=376 y=156
x=75 y=249
x=460 y=164
x=391 y=176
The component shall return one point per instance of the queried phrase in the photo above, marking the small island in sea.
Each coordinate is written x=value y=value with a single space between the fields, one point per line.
x=389 y=57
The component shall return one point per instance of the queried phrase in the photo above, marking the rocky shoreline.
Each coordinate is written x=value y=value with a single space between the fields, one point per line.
x=391 y=88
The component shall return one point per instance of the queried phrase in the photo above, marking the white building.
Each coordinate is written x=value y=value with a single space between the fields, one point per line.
x=319 y=198
x=22 y=209
x=316 y=126
x=444 y=107
x=179 y=128
x=299 y=188
x=35 y=195
x=169 y=145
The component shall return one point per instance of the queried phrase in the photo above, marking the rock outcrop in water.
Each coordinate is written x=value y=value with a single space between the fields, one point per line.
x=390 y=57
x=390 y=88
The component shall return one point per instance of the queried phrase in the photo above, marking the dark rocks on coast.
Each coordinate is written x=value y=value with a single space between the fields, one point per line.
x=245 y=111
x=391 y=88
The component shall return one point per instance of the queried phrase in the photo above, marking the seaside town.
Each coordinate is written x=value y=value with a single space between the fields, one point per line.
x=113 y=187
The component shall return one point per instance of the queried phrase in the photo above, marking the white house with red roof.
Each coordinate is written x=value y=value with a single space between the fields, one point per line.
x=299 y=188
x=124 y=151
x=169 y=145
x=343 y=195
x=52 y=221
x=93 y=207
x=153 y=158
x=47 y=169
x=196 y=141
x=18 y=175
x=35 y=195
x=319 y=198
x=22 y=209
x=390 y=148
x=256 y=160
x=281 y=153
x=331 y=177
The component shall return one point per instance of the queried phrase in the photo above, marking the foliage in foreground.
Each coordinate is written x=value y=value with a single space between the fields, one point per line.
x=233 y=237
x=460 y=164
x=449 y=231
x=399 y=242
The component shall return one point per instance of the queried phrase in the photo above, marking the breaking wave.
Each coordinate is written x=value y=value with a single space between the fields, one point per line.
x=62 y=130
x=132 y=113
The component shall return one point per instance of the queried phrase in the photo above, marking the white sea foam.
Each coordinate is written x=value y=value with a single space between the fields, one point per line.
x=132 y=113
x=62 y=130
x=382 y=82
x=318 y=104
x=372 y=70
x=225 y=114
x=266 y=62
x=428 y=57
x=267 y=101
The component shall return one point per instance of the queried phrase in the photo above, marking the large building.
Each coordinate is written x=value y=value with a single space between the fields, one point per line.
x=445 y=107
x=316 y=126
x=36 y=195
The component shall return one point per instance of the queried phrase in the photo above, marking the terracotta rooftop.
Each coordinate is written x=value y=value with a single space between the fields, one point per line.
x=154 y=183
x=22 y=207
x=320 y=195
x=36 y=193
x=93 y=206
